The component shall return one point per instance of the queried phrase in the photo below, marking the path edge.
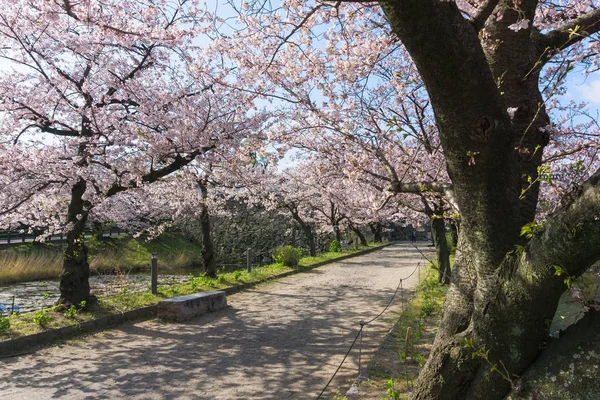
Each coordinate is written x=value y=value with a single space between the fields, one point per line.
x=32 y=343
x=354 y=392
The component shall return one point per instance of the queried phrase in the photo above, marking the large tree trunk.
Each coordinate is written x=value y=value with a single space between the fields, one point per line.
x=577 y=352
x=510 y=321
x=308 y=234
x=360 y=235
x=503 y=288
x=306 y=229
x=74 y=279
x=377 y=229
x=293 y=238
x=438 y=231
x=334 y=220
x=454 y=232
x=208 y=253
x=337 y=233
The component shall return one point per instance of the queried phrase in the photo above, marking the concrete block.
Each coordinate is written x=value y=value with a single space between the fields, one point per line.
x=187 y=307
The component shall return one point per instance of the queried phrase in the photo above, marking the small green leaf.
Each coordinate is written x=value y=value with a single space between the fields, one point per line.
x=558 y=271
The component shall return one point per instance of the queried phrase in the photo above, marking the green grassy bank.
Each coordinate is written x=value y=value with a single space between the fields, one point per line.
x=393 y=371
x=38 y=261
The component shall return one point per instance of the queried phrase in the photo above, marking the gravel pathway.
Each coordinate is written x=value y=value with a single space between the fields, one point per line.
x=280 y=340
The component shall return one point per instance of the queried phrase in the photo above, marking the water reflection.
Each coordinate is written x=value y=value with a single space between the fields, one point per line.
x=35 y=295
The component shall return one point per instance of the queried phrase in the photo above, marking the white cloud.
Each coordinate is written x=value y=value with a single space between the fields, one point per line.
x=588 y=91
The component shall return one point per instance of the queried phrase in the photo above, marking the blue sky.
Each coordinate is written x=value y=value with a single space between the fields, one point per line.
x=585 y=88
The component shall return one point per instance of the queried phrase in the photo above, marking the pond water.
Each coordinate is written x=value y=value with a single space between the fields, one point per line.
x=35 y=295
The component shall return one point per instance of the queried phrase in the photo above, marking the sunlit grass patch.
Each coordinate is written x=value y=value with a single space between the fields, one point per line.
x=308 y=260
x=408 y=345
x=30 y=261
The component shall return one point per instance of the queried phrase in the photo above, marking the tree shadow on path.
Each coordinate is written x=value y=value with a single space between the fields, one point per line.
x=281 y=340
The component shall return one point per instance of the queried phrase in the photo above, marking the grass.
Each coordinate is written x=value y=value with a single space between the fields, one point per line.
x=39 y=261
x=308 y=261
x=29 y=262
x=22 y=324
x=125 y=253
x=407 y=348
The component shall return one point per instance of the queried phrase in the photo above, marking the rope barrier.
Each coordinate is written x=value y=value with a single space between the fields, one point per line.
x=416 y=248
x=363 y=324
x=342 y=363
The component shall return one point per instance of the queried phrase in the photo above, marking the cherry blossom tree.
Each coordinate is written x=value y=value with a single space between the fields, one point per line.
x=184 y=201
x=375 y=124
x=492 y=70
x=286 y=192
x=338 y=202
x=100 y=97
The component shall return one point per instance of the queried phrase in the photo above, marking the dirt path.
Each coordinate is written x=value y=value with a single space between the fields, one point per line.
x=280 y=340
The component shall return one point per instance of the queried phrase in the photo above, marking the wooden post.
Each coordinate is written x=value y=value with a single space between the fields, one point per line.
x=154 y=274
x=249 y=260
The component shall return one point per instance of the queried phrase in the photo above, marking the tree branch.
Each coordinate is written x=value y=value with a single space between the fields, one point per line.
x=572 y=32
x=478 y=21
x=571 y=151
x=152 y=176
x=29 y=195
x=421 y=187
x=570 y=237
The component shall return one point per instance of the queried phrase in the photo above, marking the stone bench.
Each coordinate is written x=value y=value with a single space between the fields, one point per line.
x=187 y=307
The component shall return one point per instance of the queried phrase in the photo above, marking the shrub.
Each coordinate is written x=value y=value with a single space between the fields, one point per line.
x=287 y=255
x=427 y=306
x=202 y=280
x=42 y=319
x=335 y=246
x=4 y=325
x=71 y=312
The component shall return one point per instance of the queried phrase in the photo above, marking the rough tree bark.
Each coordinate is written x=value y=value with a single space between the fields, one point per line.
x=438 y=231
x=503 y=288
x=337 y=233
x=74 y=279
x=581 y=340
x=438 y=234
x=208 y=253
x=454 y=232
x=377 y=231
x=306 y=229
x=359 y=234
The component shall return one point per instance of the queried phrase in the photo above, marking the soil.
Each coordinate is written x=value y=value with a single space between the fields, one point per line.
x=281 y=340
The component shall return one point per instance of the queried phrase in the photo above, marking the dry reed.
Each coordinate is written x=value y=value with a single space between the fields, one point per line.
x=36 y=263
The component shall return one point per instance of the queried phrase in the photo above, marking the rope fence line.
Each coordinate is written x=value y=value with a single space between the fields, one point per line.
x=417 y=248
x=363 y=324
